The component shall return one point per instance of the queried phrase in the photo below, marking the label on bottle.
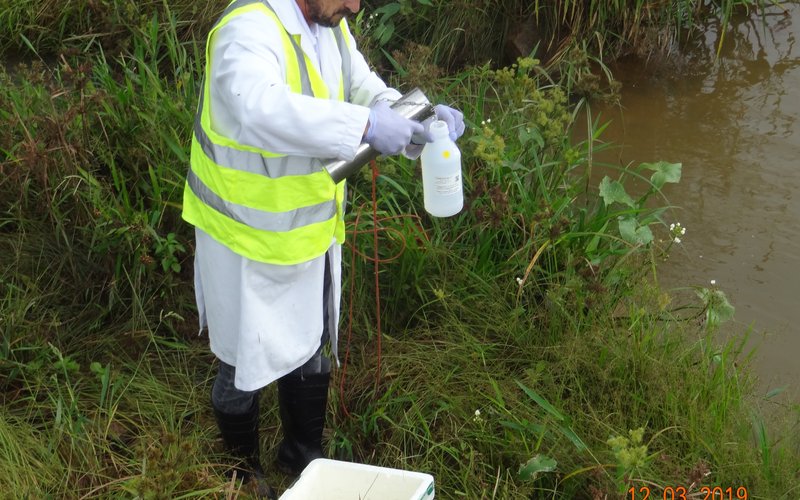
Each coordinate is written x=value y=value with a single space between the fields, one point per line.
x=449 y=184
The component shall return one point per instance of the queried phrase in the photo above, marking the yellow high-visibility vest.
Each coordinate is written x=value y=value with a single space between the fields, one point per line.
x=241 y=196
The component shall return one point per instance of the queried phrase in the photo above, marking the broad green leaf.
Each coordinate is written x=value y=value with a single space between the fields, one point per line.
x=718 y=308
x=614 y=191
x=724 y=309
x=386 y=33
x=541 y=401
x=632 y=232
x=388 y=10
x=663 y=172
x=535 y=466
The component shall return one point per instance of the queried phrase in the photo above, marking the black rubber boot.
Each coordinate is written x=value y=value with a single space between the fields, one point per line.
x=303 y=402
x=240 y=435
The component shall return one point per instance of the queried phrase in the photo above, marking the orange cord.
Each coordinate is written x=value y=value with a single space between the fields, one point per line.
x=376 y=267
x=376 y=260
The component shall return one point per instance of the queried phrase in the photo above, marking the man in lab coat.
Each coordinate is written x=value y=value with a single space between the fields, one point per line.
x=285 y=90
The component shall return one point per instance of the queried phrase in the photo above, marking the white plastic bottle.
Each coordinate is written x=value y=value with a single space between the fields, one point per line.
x=442 y=182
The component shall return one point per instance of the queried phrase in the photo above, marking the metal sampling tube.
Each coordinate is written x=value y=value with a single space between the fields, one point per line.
x=413 y=105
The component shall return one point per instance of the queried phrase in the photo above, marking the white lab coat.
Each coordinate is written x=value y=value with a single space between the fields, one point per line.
x=266 y=320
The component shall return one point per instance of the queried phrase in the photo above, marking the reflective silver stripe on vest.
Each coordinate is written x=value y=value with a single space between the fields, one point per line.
x=347 y=68
x=305 y=81
x=259 y=219
x=235 y=5
x=251 y=161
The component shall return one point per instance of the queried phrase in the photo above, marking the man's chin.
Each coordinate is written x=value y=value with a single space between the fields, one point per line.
x=329 y=21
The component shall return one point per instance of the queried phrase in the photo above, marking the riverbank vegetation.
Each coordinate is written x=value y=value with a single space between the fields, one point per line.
x=521 y=349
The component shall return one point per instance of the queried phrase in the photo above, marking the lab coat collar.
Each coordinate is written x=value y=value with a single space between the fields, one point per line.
x=295 y=24
x=288 y=12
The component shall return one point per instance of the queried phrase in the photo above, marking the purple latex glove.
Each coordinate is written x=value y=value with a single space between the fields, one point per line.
x=389 y=132
x=454 y=119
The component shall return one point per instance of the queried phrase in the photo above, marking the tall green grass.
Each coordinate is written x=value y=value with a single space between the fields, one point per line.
x=571 y=36
x=523 y=342
x=47 y=28
x=96 y=150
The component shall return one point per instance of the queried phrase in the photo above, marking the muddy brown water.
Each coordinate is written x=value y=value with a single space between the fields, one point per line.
x=732 y=122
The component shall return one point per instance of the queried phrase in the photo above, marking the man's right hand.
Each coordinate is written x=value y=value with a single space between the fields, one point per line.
x=389 y=132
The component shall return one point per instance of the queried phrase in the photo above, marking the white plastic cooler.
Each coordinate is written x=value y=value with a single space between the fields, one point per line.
x=326 y=479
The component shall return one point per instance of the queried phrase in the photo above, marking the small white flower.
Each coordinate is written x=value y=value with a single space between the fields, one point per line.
x=477 y=413
x=519 y=280
x=676 y=230
x=713 y=282
x=488 y=120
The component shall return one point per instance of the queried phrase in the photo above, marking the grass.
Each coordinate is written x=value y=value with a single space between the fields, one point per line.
x=450 y=34
x=48 y=28
x=525 y=331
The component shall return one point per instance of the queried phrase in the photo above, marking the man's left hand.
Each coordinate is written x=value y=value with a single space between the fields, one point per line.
x=454 y=119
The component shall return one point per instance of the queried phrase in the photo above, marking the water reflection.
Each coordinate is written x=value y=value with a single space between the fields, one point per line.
x=732 y=122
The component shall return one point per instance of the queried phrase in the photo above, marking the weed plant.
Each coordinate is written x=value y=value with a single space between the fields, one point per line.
x=526 y=351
